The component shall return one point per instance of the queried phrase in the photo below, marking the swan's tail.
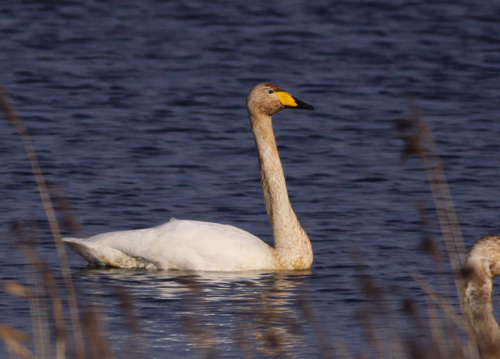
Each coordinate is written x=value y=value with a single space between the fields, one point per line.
x=85 y=249
x=104 y=256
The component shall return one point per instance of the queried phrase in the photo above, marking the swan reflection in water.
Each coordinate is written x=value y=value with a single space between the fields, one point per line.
x=249 y=311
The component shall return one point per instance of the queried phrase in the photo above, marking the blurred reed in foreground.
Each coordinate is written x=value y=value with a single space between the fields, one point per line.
x=84 y=336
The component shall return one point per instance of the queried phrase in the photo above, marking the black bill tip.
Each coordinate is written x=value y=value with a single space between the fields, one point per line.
x=302 y=105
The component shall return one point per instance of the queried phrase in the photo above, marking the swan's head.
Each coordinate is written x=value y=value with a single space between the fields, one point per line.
x=484 y=257
x=268 y=98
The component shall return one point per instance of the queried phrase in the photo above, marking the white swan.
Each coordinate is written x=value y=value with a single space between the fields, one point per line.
x=192 y=245
x=482 y=265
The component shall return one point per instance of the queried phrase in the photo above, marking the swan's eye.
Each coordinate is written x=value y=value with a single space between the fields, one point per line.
x=271 y=91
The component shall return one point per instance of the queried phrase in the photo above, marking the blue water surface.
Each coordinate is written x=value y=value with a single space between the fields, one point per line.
x=137 y=112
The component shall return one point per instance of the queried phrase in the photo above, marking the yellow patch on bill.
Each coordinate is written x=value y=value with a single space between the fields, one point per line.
x=286 y=99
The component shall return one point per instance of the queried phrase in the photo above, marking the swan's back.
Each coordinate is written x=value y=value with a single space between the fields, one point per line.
x=177 y=244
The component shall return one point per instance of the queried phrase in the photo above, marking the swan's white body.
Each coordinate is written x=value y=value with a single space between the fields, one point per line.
x=178 y=244
x=193 y=245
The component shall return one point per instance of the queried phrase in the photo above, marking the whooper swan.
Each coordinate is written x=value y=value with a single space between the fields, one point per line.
x=193 y=245
x=481 y=267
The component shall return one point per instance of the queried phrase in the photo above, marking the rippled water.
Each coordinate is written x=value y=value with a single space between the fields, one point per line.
x=137 y=112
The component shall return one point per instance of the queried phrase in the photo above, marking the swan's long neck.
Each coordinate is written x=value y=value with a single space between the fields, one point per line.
x=481 y=266
x=291 y=244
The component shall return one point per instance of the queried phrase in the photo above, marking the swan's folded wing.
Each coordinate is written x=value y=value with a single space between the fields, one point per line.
x=212 y=246
x=177 y=244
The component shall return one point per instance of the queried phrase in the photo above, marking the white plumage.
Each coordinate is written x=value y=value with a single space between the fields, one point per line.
x=193 y=245
x=177 y=244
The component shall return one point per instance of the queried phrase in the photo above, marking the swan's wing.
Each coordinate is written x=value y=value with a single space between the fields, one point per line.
x=213 y=246
x=99 y=255
x=189 y=245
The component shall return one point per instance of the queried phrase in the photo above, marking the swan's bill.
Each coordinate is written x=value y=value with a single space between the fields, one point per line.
x=288 y=100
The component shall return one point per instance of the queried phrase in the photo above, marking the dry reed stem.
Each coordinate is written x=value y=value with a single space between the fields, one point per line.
x=378 y=308
x=203 y=334
x=34 y=291
x=41 y=334
x=12 y=115
x=13 y=339
x=16 y=289
x=435 y=330
x=132 y=321
x=44 y=285
x=437 y=298
x=57 y=307
x=96 y=334
x=421 y=142
x=320 y=330
x=450 y=314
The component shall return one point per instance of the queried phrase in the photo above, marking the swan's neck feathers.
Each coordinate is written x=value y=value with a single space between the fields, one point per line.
x=292 y=247
x=481 y=266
